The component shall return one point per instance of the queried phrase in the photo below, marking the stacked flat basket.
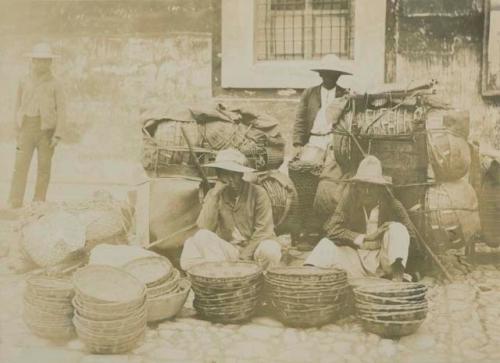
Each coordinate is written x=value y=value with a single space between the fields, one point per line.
x=226 y=292
x=47 y=307
x=110 y=309
x=391 y=309
x=166 y=292
x=306 y=296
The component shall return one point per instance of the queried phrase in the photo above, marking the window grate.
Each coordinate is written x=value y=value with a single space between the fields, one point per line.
x=304 y=29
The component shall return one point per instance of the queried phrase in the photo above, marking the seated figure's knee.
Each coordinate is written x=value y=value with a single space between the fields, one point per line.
x=268 y=250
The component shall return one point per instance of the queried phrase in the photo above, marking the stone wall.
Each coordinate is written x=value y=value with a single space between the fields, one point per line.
x=115 y=57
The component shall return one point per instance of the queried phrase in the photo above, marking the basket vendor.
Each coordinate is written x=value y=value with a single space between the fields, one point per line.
x=369 y=233
x=235 y=221
x=313 y=122
x=40 y=116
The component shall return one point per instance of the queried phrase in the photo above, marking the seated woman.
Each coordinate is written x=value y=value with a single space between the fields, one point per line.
x=369 y=233
x=235 y=221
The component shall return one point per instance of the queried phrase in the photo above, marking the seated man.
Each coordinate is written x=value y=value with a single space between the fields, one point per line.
x=235 y=221
x=369 y=229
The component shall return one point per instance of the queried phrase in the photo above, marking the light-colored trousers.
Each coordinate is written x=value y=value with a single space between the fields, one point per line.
x=206 y=246
x=362 y=263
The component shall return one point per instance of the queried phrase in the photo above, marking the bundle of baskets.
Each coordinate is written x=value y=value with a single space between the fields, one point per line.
x=391 y=309
x=166 y=151
x=226 y=292
x=47 y=308
x=166 y=292
x=110 y=309
x=306 y=296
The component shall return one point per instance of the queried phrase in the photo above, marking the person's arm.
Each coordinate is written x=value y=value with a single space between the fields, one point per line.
x=60 y=102
x=264 y=225
x=402 y=216
x=209 y=214
x=335 y=225
x=300 y=125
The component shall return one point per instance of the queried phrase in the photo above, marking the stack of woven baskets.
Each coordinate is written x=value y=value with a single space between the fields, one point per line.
x=226 y=292
x=47 y=307
x=110 y=309
x=306 y=296
x=165 y=291
x=391 y=309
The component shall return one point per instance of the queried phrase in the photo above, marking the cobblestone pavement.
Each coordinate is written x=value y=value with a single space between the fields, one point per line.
x=462 y=326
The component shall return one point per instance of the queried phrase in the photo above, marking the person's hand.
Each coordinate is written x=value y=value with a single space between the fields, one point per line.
x=297 y=149
x=219 y=187
x=246 y=254
x=370 y=245
x=54 y=141
x=378 y=234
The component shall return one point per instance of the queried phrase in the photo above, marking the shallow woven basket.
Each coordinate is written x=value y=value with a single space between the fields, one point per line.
x=305 y=319
x=416 y=314
x=166 y=287
x=246 y=291
x=50 y=287
x=391 y=329
x=220 y=273
x=106 y=284
x=111 y=327
x=107 y=311
x=52 y=332
x=167 y=306
x=151 y=270
x=305 y=273
x=366 y=298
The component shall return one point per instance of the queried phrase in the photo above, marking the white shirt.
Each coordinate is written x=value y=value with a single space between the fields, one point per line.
x=371 y=224
x=321 y=124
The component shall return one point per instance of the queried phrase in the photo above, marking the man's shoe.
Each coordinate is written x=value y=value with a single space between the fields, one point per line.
x=398 y=270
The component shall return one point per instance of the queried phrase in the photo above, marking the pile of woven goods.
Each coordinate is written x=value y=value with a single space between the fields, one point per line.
x=306 y=296
x=391 y=310
x=226 y=292
x=166 y=292
x=61 y=234
x=47 y=309
x=110 y=309
x=174 y=136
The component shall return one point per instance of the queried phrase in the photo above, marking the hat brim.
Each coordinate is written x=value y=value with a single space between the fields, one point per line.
x=231 y=166
x=375 y=180
x=336 y=70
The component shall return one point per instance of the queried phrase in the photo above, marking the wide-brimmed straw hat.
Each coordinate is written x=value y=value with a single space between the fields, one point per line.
x=332 y=63
x=42 y=51
x=232 y=160
x=370 y=171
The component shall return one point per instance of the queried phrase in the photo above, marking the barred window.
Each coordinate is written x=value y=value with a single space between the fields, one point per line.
x=304 y=29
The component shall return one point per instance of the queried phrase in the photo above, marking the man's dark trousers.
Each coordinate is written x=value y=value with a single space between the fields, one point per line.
x=31 y=137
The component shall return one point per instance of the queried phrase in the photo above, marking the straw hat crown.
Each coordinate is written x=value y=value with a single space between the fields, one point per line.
x=232 y=160
x=332 y=63
x=370 y=171
x=42 y=51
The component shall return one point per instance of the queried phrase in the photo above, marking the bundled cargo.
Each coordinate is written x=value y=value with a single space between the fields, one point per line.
x=451 y=215
x=110 y=309
x=391 y=310
x=226 y=292
x=165 y=148
x=47 y=308
x=449 y=155
x=306 y=296
x=283 y=196
x=256 y=135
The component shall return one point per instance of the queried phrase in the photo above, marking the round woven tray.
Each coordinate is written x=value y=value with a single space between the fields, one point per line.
x=224 y=272
x=50 y=287
x=391 y=329
x=394 y=316
x=360 y=297
x=227 y=308
x=111 y=326
x=107 y=314
x=167 y=306
x=166 y=287
x=225 y=286
x=391 y=308
x=308 y=301
x=39 y=315
x=304 y=287
x=305 y=273
x=151 y=270
x=251 y=288
x=307 y=319
x=392 y=289
x=57 y=307
x=52 y=332
x=106 y=284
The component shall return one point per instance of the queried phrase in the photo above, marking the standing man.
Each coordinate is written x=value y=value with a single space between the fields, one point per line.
x=369 y=232
x=312 y=123
x=236 y=220
x=40 y=116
